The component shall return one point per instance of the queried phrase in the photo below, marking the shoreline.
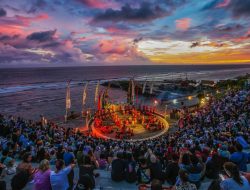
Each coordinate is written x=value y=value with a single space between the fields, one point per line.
x=50 y=102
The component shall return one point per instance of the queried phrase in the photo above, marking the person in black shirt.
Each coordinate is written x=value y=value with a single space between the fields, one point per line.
x=130 y=172
x=155 y=169
x=86 y=173
x=213 y=167
x=118 y=168
x=172 y=170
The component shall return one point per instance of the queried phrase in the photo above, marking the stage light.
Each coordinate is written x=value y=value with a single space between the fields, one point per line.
x=190 y=97
x=175 y=101
x=155 y=102
x=203 y=101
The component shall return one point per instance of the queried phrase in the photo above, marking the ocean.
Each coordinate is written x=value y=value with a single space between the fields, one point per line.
x=31 y=92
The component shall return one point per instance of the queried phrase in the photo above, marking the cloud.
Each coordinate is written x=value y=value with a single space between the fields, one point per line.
x=210 y=5
x=240 y=8
x=194 y=44
x=42 y=36
x=209 y=43
x=145 y=12
x=2 y=12
x=37 y=5
x=183 y=24
x=229 y=27
x=244 y=37
x=225 y=3
x=17 y=23
x=136 y=40
x=4 y=37
x=7 y=52
x=112 y=47
x=118 y=29
x=99 y=4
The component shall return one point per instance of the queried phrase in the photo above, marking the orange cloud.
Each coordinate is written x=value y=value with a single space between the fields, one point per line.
x=219 y=57
x=183 y=24
x=113 y=46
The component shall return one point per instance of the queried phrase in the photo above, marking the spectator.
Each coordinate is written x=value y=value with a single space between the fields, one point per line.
x=156 y=184
x=102 y=161
x=215 y=185
x=240 y=158
x=42 y=176
x=184 y=160
x=155 y=168
x=130 y=171
x=2 y=182
x=213 y=167
x=183 y=182
x=172 y=170
x=68 y=158
x=235 y=180
x=19 y=181
x=25 y=165
x=86 y=173
x=143 y=172
x=118 y=168
x=195 y=170
x=59 y=177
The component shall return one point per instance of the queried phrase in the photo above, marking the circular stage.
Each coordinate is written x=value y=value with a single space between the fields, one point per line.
x=125 y=122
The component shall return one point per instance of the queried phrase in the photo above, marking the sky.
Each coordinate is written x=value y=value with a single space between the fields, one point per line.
x=123 y=32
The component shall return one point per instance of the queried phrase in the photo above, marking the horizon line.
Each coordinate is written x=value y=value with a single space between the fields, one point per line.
x=122 y=65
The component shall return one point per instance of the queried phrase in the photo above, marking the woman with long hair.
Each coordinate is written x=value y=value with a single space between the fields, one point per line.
x=184 y=160
x=42 y=176
x=25 y=165
x=235 y=180
x=86 y=173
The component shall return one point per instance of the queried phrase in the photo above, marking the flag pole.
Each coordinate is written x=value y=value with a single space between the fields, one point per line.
x=84 y=96
x=97 y=92
x=68 y=101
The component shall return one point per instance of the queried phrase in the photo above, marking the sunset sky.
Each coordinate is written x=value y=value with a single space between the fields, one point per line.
x=120 y=32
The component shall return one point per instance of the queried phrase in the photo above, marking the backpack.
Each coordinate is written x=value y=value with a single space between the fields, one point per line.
x=131 y=173
x=145 y=178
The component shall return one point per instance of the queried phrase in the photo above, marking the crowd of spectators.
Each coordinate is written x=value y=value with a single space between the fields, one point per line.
x=209 y=144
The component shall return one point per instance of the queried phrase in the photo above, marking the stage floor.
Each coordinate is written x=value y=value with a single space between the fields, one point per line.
x=139 y=131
